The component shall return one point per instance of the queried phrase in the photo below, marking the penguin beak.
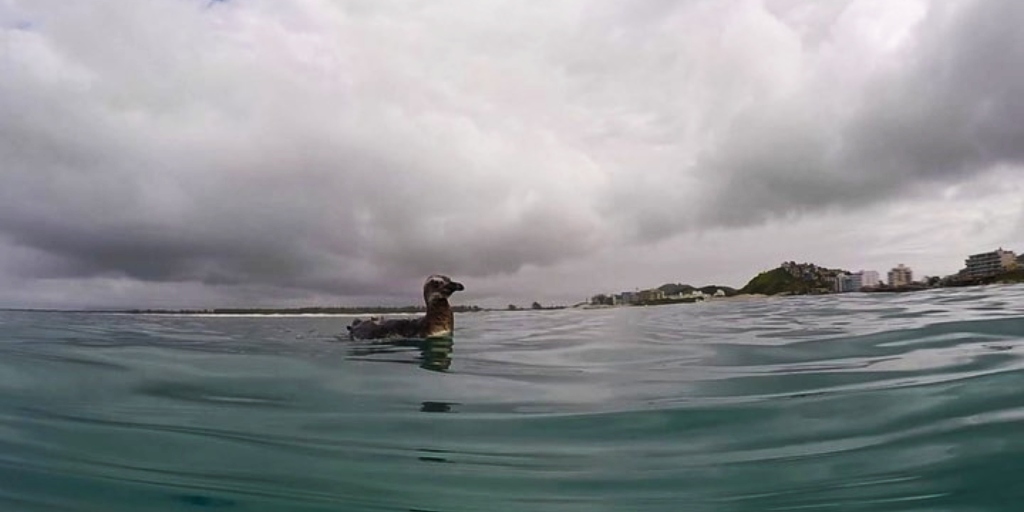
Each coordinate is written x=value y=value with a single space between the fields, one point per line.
x=455 y=287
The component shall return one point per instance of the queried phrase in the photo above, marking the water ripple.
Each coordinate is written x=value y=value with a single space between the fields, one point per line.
x=857 y=402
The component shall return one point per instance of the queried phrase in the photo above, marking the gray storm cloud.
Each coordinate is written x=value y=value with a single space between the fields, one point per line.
x=855 y=128
x=351 y=148
x=218 y=155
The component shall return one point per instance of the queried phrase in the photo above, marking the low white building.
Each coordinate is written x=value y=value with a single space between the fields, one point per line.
x=856 y=281
x=866 y=279
x=989 y=263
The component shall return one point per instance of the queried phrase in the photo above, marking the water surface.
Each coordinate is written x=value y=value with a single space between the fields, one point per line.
x=855 y=402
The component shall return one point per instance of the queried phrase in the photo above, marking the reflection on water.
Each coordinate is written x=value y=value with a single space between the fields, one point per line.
x=197 y=500
x=435 y=354
x=437 y=407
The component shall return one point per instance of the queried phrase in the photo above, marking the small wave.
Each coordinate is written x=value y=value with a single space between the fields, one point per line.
x=859 y=402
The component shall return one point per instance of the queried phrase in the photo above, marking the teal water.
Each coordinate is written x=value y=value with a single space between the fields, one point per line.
x=856 y=402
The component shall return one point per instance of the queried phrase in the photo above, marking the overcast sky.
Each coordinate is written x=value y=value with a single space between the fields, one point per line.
x=180 y=153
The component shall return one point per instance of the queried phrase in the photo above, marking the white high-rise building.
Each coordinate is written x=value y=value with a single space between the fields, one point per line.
x=856 y=281
x=900 y=276
x=869 y=278
x=846 y=283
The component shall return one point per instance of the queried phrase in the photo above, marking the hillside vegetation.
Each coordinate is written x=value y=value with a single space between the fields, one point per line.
x=776 y=281
x=684 y=289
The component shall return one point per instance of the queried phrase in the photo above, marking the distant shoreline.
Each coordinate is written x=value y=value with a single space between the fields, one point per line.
x=313 y=312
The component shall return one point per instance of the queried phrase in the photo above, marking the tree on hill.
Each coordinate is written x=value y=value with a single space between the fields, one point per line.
x=712 y=289
x=676 y=289
x=776 y=281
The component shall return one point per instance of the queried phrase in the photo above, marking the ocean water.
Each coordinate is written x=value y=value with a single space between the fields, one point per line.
x=910 y=402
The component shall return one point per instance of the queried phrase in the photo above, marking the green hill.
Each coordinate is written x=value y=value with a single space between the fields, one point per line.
x=776 y=281
x=677 y=289
x=711 y=289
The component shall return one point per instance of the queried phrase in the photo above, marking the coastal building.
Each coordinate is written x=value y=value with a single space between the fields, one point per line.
x=845 y=283
x=856 y=281
x=651 y=295
x=869 y=279
x=989 y=263
x=901 y=275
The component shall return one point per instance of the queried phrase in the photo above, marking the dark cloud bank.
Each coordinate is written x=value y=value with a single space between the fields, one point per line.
x=337 y=153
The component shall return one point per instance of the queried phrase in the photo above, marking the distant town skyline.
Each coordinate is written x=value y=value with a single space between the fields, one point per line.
x=834 y=279
x=246 y=154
